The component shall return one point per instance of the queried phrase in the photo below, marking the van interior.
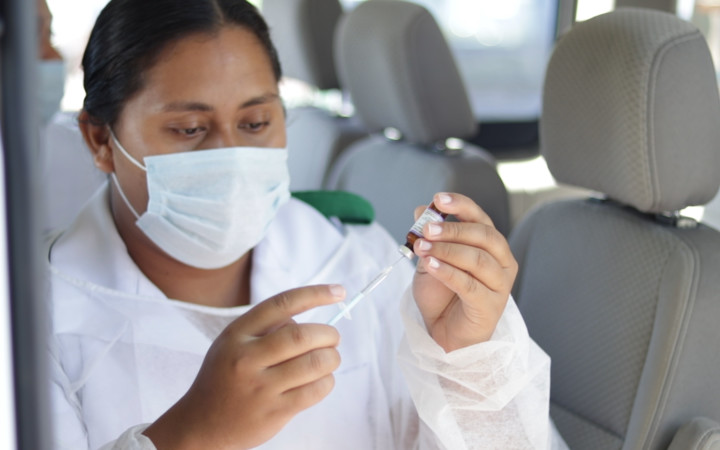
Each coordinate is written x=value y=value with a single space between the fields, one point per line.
x=588 y=130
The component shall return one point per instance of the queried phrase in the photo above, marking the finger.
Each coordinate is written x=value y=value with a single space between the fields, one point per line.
x=454 y=279
x=303 y=369
x=465 y=286
x=278 y=309
x=292 y=341
x=305 y=396
x=462 y=207
x=477 y=235
x=478 y=263
x=418 y=211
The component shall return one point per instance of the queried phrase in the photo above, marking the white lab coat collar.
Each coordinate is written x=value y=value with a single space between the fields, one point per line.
x=92 y=253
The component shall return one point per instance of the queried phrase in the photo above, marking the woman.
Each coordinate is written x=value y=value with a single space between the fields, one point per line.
x=175 y=289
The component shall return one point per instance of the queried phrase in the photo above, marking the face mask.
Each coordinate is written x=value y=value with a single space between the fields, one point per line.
x=51 y=88
x=207 y=208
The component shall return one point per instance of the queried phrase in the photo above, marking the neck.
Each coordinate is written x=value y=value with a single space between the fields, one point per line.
x=224 y=287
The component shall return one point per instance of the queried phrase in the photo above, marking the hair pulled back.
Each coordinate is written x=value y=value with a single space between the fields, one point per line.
x=129 y=35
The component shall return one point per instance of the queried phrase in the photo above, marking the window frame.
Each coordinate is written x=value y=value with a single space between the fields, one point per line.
x=19 y=208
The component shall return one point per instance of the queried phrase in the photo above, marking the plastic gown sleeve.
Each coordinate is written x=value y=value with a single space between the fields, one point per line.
x=132 y=439
x=491 y=395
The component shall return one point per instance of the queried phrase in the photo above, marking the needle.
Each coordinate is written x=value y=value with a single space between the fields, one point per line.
x=346 y=308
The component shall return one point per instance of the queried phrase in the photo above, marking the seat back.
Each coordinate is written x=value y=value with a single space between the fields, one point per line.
x=620 y=291
x=303 y=34
x=69 y=175
x=401 y=75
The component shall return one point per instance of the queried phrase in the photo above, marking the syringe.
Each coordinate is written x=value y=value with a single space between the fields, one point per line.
x=431 y=214
x=346 y=308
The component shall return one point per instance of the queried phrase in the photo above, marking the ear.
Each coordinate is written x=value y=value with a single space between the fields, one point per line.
x=97 y=138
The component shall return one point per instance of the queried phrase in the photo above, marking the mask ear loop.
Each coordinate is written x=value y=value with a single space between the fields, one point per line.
x=115 y=179
x=124 y=152
x=122 y=195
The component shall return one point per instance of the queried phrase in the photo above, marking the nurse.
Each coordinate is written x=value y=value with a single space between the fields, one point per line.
x=189 y=295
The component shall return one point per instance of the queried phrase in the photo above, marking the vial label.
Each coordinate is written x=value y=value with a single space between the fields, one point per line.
x=430 y=215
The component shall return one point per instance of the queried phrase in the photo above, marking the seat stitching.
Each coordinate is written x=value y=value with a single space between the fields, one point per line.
x=679 y=339
x=709 y=437
x=651 y=160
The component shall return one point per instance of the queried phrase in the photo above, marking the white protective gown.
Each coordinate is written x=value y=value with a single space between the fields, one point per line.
x=123 y=353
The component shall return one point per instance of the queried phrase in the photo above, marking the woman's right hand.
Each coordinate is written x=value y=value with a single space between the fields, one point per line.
x=261 y=371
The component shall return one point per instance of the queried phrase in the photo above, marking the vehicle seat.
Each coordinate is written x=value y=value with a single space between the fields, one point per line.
x=70 y=177
x=619 y=290
x=400 y=73
x=303 y=33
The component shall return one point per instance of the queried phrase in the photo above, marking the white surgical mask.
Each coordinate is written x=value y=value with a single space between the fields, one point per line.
x=51 y=88
x=207 y=208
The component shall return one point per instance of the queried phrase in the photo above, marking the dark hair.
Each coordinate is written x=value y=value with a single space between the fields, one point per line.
x=129 y=35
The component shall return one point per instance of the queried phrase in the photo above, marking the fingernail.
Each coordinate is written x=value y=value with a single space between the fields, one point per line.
x=444 y=199
x=337 y=291
x=434 y=229
x=425 y=245
x=433 y=263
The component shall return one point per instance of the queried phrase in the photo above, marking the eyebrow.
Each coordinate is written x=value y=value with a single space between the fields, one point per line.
x=266 y=98
x=197 y=106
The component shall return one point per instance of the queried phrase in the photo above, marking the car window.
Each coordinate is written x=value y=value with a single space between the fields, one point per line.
x=70 y=31
x=587 y=9
x=501 y=47
x=705 y=14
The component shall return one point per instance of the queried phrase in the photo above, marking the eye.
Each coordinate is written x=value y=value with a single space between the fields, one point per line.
x=188 y=132
x=254 y=126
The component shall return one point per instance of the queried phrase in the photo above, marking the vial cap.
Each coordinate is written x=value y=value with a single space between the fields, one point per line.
x=406 y=252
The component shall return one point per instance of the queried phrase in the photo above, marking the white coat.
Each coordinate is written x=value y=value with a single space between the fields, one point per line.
x=123 y=353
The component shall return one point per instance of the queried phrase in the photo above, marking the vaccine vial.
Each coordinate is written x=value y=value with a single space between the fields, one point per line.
x=431 y=214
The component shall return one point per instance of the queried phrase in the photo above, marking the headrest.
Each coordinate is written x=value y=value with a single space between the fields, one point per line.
x=631 y=109
x=303 y=32
x=397 y=66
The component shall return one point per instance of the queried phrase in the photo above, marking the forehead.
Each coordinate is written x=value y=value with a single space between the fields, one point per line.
x=232 y=60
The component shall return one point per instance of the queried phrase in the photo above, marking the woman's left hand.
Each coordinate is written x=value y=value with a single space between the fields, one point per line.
x=464 y=274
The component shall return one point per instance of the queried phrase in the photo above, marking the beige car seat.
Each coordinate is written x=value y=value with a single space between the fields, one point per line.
x=303 y=33
x=400 y=73
x=620 y=291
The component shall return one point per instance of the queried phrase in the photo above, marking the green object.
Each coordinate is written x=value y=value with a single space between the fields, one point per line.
x=349 y=208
